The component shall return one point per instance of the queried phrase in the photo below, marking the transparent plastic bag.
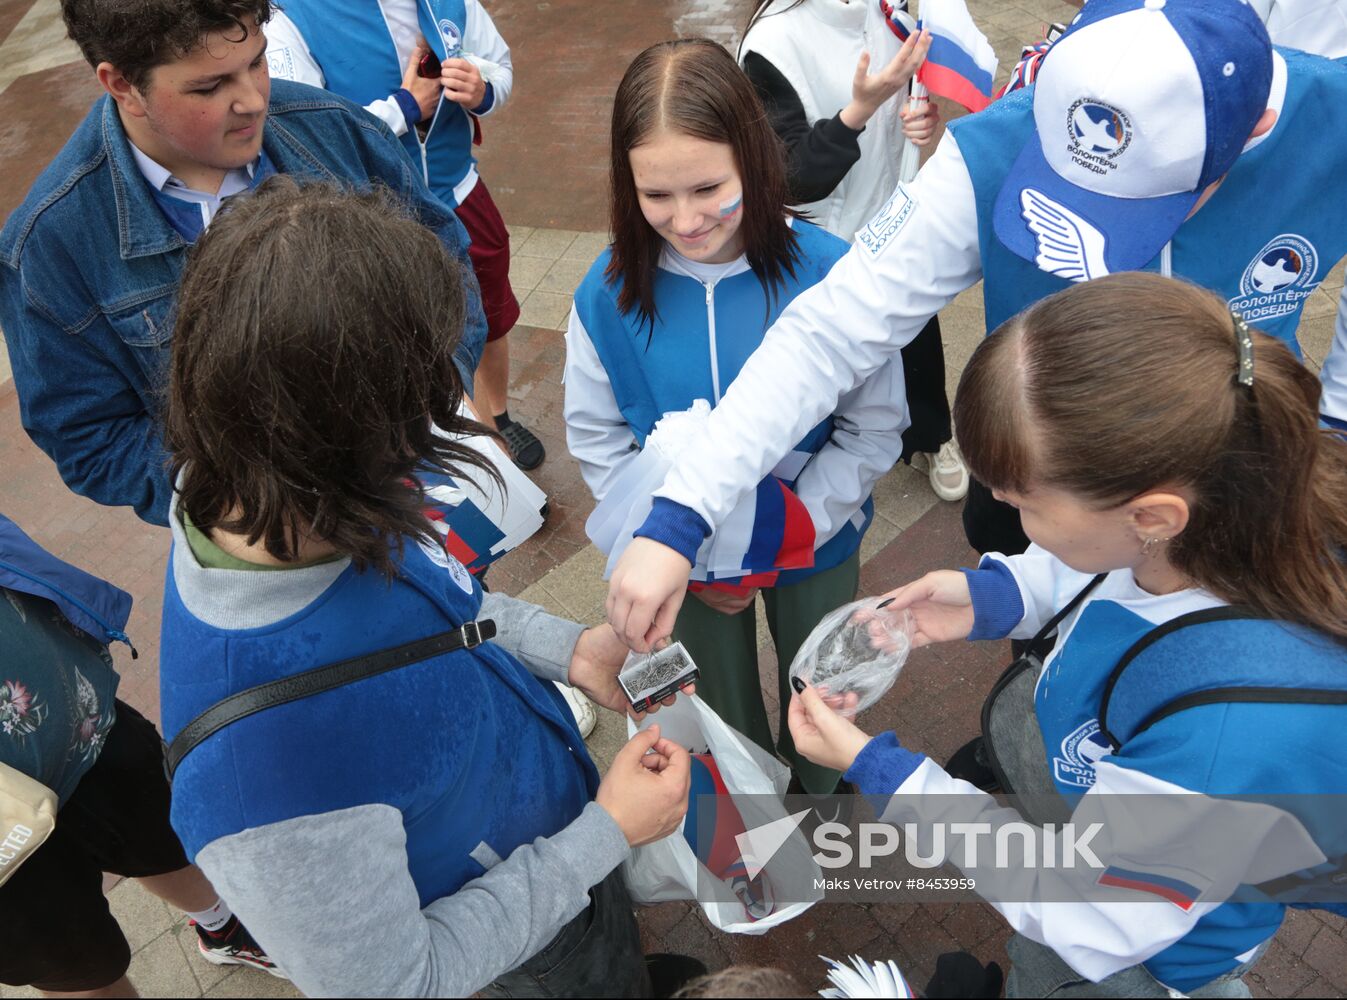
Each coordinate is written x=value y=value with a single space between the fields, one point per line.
x=856 y=650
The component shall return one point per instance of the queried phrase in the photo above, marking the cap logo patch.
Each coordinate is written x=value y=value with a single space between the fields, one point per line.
x=1097 y=134
x=1278 y=279
x=1069 y=246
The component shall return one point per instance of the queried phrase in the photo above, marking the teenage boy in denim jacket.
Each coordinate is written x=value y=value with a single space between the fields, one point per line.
x=90 y=262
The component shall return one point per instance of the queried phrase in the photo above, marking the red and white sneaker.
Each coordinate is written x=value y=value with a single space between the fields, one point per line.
x=233 y=945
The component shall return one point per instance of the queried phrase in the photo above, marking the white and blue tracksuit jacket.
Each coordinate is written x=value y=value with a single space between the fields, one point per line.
x=1292 y=751
x=1279 y=202
x=622 y=376
x=360 y=50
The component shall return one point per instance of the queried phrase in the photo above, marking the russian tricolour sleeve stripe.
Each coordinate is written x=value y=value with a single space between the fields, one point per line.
x=1178 y=892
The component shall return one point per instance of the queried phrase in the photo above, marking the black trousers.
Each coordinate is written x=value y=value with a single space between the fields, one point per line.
x=990 y=525
x=597 y=954
x=924 y=382
x=56 y=931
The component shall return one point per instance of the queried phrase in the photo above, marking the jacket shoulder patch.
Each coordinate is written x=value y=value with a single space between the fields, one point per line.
x=887 y=223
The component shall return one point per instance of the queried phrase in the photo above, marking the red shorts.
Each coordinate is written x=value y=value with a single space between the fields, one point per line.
x=490 y=253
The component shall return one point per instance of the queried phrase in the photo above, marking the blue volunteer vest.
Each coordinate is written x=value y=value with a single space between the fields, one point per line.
x=664 y=369
x=351 y=43
x=1293 y=753
x=469 y=746
x=1264 y=241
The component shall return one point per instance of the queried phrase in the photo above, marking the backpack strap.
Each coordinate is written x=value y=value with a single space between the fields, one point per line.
x=310 y=682
x=1247 y=656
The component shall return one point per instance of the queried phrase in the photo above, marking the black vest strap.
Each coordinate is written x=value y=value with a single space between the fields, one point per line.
x=315 y=681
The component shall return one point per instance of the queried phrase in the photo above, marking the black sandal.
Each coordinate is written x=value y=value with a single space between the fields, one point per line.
x=525 y=448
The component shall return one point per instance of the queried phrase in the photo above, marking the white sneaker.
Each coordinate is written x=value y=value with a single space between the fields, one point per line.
x=949 y=476
x=581 y=708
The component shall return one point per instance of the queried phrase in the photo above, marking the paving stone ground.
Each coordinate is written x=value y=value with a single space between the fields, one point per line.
x=545 y=159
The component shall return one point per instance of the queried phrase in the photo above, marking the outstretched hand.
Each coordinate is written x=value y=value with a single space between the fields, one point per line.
x=598 y=659
x=821 y=734
x=646 y=788
x=940 y=605
x=870 y=91
x=646 y=592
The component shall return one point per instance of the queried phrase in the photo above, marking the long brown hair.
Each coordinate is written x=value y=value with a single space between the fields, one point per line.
x=1127 y=383
x=313 y=348
x=693 y=86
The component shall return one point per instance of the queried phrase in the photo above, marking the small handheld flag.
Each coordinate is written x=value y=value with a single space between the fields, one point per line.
x=961 y=63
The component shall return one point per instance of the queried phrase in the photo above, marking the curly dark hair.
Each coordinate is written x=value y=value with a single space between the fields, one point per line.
x=313 y=352
x=138 y=35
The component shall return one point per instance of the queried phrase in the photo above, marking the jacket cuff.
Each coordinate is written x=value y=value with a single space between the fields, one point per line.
x=883 y=765
x=997 y=605
x=407 y=104
x=488 y=102
x=839 y=133
x=670 y=523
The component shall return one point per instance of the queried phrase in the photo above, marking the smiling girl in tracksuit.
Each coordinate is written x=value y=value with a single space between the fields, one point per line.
x=705 y=256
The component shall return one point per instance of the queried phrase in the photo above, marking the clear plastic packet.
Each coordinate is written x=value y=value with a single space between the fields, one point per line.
x=856 y=650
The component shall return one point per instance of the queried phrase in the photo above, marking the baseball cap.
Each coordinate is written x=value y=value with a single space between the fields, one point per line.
x=1137 y=108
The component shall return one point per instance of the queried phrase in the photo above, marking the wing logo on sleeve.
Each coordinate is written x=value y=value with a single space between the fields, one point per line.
x=1068 y=245
x=1181 y=888
x=887 y=223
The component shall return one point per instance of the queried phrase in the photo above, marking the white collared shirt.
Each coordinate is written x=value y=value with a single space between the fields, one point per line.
x=236 y=180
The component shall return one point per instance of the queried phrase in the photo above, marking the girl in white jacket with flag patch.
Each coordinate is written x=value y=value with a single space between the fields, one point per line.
x=1183 y=502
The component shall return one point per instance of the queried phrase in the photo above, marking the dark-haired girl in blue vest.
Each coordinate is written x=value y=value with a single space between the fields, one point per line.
x=705 y=255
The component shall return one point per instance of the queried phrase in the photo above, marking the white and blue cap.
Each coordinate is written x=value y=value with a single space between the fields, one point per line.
x=1138 y=108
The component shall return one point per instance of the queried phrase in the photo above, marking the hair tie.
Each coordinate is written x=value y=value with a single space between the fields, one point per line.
x=1244 y=343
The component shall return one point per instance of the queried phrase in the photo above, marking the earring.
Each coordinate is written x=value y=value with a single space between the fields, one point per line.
x=1150 y=543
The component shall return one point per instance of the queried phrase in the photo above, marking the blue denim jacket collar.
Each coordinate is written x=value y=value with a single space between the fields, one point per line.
x=142 y=229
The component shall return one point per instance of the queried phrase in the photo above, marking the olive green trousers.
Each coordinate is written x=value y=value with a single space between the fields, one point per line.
x=725 y=648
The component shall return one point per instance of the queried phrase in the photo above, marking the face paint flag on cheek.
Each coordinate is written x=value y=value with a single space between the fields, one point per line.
x=732 y=205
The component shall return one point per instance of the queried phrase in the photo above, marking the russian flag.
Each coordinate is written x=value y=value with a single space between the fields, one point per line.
x=469 y=535
x=961 y=63
x=772 y=533
x=1182 y=894
x=897 y=18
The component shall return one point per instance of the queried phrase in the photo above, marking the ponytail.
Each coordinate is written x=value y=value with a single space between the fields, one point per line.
x=1130 y=383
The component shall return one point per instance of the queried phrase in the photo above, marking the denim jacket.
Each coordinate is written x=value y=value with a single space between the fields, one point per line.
x=89 y=272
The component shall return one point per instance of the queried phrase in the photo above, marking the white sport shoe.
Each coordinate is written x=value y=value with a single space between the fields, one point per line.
x=949 y=476
x=581 y=708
